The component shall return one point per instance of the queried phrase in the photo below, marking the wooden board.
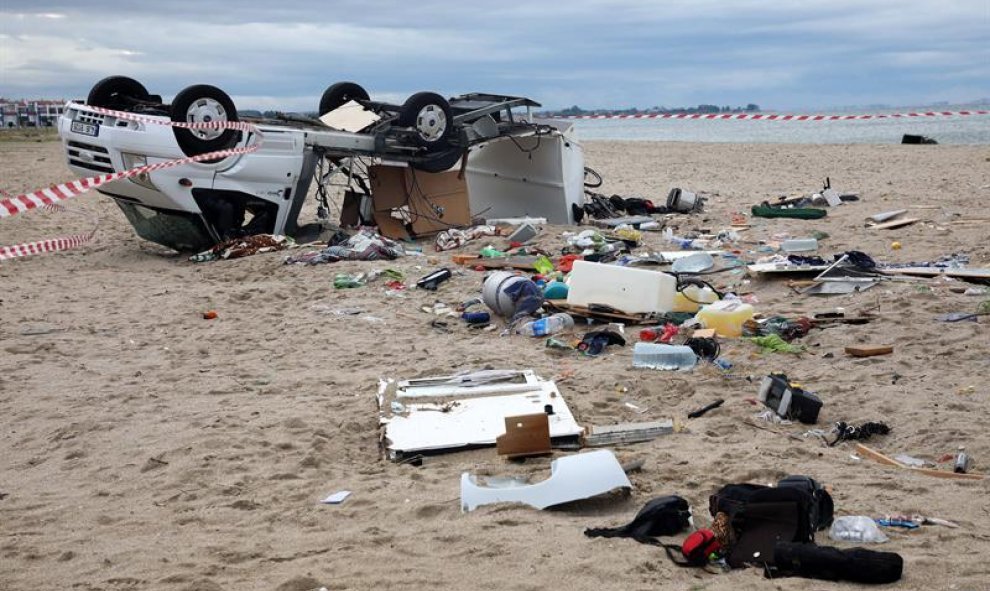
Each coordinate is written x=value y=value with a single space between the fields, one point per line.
x=869 y=350
x=896 y=223
x=888 y=461
x=582 y=311
x=465 y=259
x=523 y=263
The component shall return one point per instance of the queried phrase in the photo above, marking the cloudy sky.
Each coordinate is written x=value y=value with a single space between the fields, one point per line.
x=783 y=54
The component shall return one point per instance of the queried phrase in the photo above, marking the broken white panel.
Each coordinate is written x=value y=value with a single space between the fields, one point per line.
x=349 y=117
x=839 y=286
x=832 y=197
x=336 y=498
x=673 y=255
x=886 y=216
x=451 y=412
x=572 y=478
x=528 y=175
x=629 y=289
x=785 y=267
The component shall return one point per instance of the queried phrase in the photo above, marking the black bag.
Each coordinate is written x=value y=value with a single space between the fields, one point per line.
x=832 y=564
x=821 y=511
x=663 y=516
x=771 y=516
x=761 y=516
x=732 y=497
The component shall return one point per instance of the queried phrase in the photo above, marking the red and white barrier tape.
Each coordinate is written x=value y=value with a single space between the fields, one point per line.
x=777 y=117
x=50 y=197
x=52 y=244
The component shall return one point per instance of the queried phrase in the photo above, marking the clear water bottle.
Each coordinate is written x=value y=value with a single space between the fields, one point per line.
x=547 y=326
x=660 y=356
x=799 y=245
x=856 y=528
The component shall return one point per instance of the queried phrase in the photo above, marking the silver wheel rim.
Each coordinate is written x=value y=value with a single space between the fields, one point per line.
x=431 y=123
x=206 y=110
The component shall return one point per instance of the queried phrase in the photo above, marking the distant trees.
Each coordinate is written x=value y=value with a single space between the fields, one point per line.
x=576 y=110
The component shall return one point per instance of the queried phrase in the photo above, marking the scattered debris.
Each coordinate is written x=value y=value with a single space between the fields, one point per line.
x=703 y=410
x=888 y=461
x=336 y=498
x=623 y=433
x=788 y=400
x=869 y=350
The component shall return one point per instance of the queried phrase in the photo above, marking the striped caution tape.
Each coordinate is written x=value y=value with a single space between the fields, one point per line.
x=14 y=205
x=778 y=117
x=42 y=246
x=51 y=196
x=21 y=203
x=51 y=244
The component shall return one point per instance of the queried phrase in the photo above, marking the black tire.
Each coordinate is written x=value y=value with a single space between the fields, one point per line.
x=441 y=161
x=430 y=116
x=203 y=102
x=338 y=94
x=117 y=92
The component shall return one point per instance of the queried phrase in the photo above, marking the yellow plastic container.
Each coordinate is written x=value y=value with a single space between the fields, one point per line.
x=688 y=301
x=726 y=317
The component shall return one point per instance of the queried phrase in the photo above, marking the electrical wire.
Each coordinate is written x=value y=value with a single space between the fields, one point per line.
x=593 y=185
x=416 y=214
x=685 y=282
x=540 y=131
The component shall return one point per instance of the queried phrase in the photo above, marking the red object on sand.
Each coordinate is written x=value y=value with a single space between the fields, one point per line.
x=566 y=262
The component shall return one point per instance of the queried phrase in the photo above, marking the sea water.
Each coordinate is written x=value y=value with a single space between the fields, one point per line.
x=956 y=129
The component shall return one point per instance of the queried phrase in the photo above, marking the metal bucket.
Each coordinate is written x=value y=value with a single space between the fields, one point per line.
x=493 y=292
x=682 y=201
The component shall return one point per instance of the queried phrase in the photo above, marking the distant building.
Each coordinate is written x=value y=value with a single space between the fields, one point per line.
x=25 y=113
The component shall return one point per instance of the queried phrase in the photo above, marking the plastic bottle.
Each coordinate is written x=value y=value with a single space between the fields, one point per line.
x=856 y=528
x=547 y=326
x=799 y=245
x=726 y=317
x=659 y=356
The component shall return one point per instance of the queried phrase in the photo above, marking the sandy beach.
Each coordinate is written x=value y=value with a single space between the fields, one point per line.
x=147 y=448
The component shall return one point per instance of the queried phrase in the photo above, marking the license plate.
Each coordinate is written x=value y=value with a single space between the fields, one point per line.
x=85 y=128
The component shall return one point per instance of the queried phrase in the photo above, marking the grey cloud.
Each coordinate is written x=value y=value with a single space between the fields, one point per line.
x=589 y=52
